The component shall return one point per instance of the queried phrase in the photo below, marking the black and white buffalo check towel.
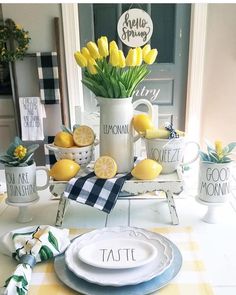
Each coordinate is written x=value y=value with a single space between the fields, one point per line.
x=48 y=77
x=95 y=192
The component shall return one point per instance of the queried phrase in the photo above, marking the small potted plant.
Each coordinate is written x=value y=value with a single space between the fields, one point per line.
x=20 y=172
x=215 y=172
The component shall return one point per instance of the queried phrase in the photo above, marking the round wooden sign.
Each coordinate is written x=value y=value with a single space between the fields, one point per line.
x=135 y=27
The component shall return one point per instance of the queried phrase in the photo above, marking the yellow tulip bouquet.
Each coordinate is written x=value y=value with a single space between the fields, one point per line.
x=108 y=73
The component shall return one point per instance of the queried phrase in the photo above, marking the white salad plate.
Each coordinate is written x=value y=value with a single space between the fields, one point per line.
x=119 y=277
x=118 y=253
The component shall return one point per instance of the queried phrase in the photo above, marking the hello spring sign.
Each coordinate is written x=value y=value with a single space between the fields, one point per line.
x=135 y=27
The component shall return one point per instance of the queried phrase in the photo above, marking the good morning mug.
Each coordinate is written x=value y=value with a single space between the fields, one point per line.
x=214 y=182
x=21 y=183
x=169 y=152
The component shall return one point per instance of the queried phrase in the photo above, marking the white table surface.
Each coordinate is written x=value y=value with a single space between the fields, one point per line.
x=217 y=241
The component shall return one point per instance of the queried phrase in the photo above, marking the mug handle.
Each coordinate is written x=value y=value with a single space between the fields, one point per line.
x=43 y=187
x=197 y=153
x=150 y=111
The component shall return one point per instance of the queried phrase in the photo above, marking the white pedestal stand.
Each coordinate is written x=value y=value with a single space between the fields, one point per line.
x=23 y=214
x=212 y=215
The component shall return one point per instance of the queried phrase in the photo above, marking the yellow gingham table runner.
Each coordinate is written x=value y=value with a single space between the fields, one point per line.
x=190 y=280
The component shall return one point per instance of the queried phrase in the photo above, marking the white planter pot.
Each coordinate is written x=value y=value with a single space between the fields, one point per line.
x=21 y=183
x=214 y=182
x=116 y=131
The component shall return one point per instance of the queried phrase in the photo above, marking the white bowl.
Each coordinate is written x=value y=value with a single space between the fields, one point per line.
x=81 y=155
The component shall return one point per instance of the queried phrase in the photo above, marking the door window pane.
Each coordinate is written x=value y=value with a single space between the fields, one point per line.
x=163 y=17
x=105 y=21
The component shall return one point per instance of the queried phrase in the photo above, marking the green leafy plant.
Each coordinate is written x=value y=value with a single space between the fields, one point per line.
x=218 y=153
x=10 y=31
x=18 y=154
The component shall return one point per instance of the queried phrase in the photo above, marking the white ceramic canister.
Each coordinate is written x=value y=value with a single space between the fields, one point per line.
x=116 y=131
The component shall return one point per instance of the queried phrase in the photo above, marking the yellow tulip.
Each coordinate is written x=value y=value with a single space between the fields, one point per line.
x=80 y=59
x=93 y=49
x=114 y=57
x=146 y=49
x=113 y=46
x=103 y=46
x=121 y=59
x=139 y=56
x=131 y=58
x=85 y=53
x=219 y=148
x=91 y=66
x=150 y=57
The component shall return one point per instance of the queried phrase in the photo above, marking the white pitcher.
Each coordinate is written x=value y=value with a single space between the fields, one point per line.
x=116 y=131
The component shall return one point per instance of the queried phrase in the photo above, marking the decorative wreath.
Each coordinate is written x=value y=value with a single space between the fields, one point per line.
x=14 y=42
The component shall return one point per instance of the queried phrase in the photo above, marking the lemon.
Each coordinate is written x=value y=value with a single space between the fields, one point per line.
x=64 y=169
x=105 y=167
x=83 y=135
x=146 y=169
x=141 y=122
x=64 y=139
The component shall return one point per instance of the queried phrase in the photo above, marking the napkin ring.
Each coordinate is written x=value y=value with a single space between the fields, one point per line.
x=28 y=259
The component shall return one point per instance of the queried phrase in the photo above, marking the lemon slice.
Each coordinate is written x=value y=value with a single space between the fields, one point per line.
x=105 y=167
x=83 y=135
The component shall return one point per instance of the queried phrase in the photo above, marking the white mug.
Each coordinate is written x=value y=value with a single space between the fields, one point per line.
x=214 y=182
x=21 y=183
x=169 y=152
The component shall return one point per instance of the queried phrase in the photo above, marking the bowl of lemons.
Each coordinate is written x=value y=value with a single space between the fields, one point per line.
x=77 y=145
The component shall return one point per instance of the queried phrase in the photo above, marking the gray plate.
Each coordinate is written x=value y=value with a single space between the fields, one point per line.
x=84 y=287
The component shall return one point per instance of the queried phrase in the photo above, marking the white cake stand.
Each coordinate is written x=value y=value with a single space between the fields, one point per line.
x=212 y=214
x=23 y=214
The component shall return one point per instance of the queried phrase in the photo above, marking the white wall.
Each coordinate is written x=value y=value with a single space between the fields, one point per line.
x=219 y=91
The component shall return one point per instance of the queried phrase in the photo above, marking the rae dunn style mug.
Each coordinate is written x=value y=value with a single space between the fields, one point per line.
x=169 y=152
x=214 y=182
x=21 y=183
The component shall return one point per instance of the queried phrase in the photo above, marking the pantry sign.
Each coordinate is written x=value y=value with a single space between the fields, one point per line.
x=135 y=27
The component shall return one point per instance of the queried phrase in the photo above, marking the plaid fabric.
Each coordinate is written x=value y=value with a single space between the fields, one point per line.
x=50 y=158
x=48 y=77
x=99 y=193
x=192 y=278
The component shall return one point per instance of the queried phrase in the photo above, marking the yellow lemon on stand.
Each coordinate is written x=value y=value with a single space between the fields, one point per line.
x=105 y=167
x=142 y=122
x=64 y=170
x=146 y=169
x=63 y=139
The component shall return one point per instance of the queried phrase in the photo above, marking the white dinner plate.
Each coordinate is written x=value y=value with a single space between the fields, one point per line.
x=119 y=277
x=118 y=253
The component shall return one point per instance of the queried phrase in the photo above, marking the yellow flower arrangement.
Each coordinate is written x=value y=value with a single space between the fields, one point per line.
x=108 y=73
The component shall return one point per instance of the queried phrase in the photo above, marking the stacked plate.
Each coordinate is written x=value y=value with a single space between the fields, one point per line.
x=121 y=260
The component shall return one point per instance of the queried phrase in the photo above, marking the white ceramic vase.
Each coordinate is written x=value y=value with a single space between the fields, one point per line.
x=116 y=131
